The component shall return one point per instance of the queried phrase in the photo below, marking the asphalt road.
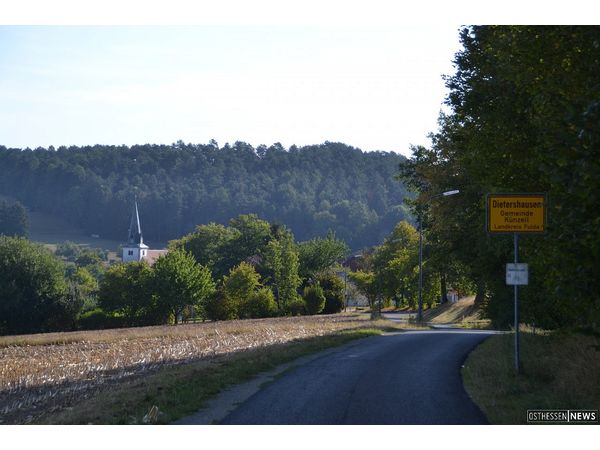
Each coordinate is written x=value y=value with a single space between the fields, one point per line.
x=404 y=378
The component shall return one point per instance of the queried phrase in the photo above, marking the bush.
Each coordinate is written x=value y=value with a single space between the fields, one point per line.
x=97 y=319
x=261 y=303
x=314 y=298
x=333 y=288
x=295 y=307
x=333 y=304
x=220 y=307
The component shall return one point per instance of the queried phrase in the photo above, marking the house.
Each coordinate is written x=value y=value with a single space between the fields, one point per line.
x=135 y=249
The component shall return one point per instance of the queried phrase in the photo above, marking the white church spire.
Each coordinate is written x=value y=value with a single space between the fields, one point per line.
x=135 y=229
x=135 y=249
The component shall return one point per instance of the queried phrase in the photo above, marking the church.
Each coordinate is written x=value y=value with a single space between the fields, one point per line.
x=135 y=249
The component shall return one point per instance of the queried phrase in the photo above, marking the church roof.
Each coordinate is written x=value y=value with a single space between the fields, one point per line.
x=153 y=255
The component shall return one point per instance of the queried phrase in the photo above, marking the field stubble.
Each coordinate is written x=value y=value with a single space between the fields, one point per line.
x=44 y=373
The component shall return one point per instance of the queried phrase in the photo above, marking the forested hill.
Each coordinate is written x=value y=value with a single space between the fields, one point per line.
x=311 y=189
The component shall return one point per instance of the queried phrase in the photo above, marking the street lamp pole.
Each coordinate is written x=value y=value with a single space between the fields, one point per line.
x=420 y=217
x=420 y=311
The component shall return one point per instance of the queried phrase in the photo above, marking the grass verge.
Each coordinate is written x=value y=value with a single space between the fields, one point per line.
x=483 y=324
x=559 y=371
x=182 y=390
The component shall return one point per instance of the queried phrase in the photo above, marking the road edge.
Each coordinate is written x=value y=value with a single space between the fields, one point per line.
x=229 y=399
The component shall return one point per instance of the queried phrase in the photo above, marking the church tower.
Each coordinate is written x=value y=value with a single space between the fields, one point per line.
x=135 y=249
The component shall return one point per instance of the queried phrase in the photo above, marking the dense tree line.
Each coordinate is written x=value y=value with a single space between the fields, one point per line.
x=248 y=269
x=525 y=117
x=311 y=189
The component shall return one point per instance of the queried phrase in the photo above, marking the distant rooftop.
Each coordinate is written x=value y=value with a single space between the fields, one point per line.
x=153 y=255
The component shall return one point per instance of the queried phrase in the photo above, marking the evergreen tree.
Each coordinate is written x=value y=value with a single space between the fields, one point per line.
x=314 y=297
x=311 y=189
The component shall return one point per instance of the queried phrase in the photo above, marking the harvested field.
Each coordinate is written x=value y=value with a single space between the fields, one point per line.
x=42 y=373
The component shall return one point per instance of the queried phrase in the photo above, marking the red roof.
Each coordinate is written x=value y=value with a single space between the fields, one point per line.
x=153 y=255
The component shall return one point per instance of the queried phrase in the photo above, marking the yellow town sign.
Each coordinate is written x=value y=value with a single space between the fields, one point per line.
x=516 y=213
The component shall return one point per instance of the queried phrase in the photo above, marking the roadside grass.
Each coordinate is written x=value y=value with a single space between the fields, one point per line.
x=182 y=390
x=411 y=324
x=559 y=370
x=481 y=324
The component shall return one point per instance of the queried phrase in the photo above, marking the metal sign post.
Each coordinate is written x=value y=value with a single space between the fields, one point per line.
x=516 y=242
x=516 y=213
x=517 y=274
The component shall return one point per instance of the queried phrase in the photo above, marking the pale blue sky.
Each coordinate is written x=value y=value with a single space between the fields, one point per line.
x=376 y=88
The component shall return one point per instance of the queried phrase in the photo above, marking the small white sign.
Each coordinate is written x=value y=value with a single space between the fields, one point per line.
x=517 y=274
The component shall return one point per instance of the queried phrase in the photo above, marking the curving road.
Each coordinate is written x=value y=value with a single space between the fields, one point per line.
x=403 y=378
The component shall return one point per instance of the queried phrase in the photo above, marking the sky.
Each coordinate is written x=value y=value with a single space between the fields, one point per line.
x=368 y=74
x=375 y=88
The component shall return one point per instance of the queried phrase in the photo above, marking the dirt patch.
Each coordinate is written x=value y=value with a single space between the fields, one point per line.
x=463 y=311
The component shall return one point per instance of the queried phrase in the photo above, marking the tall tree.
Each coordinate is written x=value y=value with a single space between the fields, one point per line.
x=523 y=102
x=318 y=254
x=252 y=237
x=394 y=262
x=178 y=281
x=210 y=244
x=33 y=290
x=273 y=266
x=366 y=283
x=282 y=264
x=239 y=287
x=125 y=289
